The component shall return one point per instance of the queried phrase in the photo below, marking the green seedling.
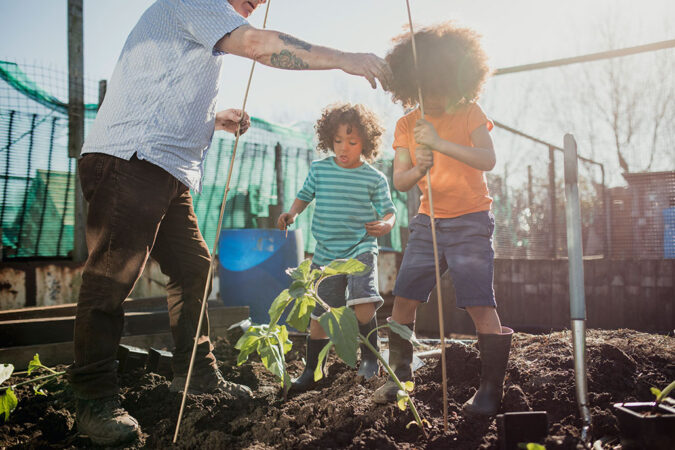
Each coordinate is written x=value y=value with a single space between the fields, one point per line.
x=270 y=341
x=661 y=395
x=8 y=400
x=531 y=446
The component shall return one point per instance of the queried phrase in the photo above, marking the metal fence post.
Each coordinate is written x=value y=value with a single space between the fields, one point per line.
x=552 y=199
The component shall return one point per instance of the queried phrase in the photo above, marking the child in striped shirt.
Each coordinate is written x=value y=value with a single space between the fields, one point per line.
x=353 y=208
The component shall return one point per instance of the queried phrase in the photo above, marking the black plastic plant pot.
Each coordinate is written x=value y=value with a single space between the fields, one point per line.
x=514 y=428
x=646 y=425
x=131 y=358
x=159 y=362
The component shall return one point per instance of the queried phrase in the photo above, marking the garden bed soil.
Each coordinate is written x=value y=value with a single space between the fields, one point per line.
x=622 y=366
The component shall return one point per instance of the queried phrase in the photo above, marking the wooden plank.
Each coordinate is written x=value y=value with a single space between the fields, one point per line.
x=129 y=305
x=62 y=352
x=60 y=329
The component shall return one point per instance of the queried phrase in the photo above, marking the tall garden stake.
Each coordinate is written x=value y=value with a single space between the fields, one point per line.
x=576 y=271
x=441 y=327
x=215 y=246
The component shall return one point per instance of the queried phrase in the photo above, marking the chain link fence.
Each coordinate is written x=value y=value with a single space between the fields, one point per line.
x=636 y=221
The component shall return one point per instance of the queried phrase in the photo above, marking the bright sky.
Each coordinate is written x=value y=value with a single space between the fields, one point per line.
x=515 y=32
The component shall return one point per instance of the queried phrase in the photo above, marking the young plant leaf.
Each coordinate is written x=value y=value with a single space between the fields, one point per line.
x=664 y=393
x=655 y=391
x=248 y=343
x=8 y=402
x=5 y=372
x=35 y=364
x=345 y=266
x=281 y=332
x=314 y=275
x=409 y=386
x=318 y=372
x=341 y=326
x=38 y=390
x=402 y=398
x=279 y=305
x=273 y=360
x=531 y=446
x=299 y=316
x=301 y=272
x=297 y=289
x=403 y=331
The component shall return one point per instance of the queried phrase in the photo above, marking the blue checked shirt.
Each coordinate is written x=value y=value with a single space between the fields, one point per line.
x=161 y=98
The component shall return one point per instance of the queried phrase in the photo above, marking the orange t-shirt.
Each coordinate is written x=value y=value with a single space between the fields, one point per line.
x=457 y=188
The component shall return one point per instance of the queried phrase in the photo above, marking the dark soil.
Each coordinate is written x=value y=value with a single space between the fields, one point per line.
x=622 y=366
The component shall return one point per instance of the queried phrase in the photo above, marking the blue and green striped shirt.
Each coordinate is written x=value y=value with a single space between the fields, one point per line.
x=345 y=200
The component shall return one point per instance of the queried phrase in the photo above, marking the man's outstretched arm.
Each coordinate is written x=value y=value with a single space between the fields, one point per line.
x=284 y=51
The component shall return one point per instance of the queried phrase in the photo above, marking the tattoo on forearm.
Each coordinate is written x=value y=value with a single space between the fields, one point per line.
x=287 y=60
x=295 y=42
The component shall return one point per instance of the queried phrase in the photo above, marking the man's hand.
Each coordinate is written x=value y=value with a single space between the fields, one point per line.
x=425 y=134
x=424 y=158
x=369 y=66
x=284 y=220
x=230 y=119
x=378 y=228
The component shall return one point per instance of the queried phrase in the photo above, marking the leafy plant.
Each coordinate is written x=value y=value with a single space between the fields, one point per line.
x=271 y=342
x=8 y=400
x=661 y=395
x=531 y=446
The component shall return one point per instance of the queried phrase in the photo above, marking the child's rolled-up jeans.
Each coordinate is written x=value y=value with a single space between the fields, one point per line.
x=350 y=290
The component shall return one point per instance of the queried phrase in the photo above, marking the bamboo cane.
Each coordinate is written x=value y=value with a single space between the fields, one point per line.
x=215 y=246
x=433 y=238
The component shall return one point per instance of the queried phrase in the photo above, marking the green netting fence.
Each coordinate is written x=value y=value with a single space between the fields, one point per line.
x=37 y=179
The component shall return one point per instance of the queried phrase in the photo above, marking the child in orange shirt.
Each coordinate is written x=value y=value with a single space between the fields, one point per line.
x=453 y=142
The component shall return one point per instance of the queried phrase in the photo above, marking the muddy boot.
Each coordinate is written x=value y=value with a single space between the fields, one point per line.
x=210 y=382
x=105 y=421
x=306 y=380
x=400 y=360
x=369 y=366
x=494 y=354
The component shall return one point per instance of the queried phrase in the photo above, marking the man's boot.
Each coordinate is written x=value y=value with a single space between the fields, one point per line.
x=494 y=354
x=210 y=381
x=400 y=360
x=105 y=421
x=306 y=380
x=369 y=366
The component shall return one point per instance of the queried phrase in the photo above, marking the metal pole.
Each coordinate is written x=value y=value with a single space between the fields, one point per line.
x=552 y=200
x=607 y=209
x=576 y=281
x=529 y=187
x=441 y=325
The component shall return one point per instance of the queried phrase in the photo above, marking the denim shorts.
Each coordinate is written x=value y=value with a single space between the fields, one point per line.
x=464 y=249
x=350 y=290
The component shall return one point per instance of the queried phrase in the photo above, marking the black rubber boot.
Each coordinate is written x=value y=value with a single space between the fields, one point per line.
x=400 y=360
x=306 y=380
x=494 y=355
x=369 y=366
x=105 y=421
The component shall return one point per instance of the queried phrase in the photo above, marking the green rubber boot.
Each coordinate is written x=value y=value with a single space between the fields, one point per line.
x=400 y=360
x=306 y=380
x=494 y=355
x=369 y=366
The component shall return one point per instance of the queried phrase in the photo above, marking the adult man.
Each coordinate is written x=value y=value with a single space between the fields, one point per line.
x=143 y=153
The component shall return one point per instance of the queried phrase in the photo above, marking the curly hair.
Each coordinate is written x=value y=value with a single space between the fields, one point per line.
x=364 y=120
x=451 y=63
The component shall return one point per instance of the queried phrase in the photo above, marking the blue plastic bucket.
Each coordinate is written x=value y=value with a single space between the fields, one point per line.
x=253 y=265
